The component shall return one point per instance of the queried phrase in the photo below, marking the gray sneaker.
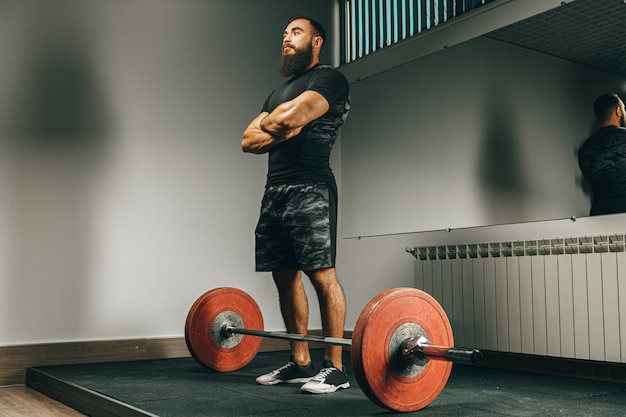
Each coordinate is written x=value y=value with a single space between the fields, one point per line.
x=329 y=379
x=290 y=373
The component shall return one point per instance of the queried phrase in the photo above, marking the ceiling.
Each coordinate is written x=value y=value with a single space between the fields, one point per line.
x=588 y=32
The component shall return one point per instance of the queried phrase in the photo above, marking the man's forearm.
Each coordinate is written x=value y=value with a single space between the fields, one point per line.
x=256 y=140
x=258 y=143
x=279 y=123
x=284 y=122
x=288 y=119
x=274 y=124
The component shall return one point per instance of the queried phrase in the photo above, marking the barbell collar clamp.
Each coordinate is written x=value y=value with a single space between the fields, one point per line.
x=419 y=349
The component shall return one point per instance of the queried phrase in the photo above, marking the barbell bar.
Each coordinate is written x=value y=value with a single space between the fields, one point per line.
x=415 y=349
x=228 y=331
x=399 y=348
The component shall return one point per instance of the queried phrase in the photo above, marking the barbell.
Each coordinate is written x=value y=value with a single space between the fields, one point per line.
x=400 y=346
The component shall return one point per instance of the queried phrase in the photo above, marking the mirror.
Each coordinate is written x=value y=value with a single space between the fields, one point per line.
x=484 y=132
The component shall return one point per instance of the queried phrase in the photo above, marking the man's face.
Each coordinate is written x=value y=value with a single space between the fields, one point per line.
x=297 y=48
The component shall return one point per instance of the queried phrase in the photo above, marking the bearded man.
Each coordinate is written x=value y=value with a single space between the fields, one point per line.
x=297 y=226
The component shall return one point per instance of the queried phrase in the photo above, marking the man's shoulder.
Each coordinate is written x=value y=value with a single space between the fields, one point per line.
x=327 y=76
x=608 y=131
x=326 y=70
x=326 y=67
x=605 y=137
x=611 y=132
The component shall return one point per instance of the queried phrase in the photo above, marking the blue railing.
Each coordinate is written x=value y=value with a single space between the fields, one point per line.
x=370 y=25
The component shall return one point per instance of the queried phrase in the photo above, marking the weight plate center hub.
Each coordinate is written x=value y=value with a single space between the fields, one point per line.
x=398 y=363
x=220 y=335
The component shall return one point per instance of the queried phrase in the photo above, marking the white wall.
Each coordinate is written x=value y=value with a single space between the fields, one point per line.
x=124 y=193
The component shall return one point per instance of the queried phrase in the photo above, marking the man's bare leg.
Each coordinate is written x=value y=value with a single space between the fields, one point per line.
x=332 y=303
x=294 y=307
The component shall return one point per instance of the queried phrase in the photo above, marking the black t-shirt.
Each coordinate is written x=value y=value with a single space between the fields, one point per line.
x=602 y=160
x=304 y=159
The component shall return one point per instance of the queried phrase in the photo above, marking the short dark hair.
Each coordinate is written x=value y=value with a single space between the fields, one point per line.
x=318 y=29
x=604 y=106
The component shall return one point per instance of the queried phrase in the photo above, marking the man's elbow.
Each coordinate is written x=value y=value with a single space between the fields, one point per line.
x=248 y=147
x=247 y=142
x=245 y=147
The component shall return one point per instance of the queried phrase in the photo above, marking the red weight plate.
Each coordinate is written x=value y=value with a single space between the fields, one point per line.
x=386 y=378
x=204 y=320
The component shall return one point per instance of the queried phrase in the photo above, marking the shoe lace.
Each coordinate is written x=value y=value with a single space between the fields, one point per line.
x=285 y=366
x=323 y=373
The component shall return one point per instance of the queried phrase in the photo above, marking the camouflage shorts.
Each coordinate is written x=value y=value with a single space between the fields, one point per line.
x=297 y=228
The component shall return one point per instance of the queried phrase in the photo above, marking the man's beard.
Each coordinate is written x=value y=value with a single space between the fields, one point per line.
x=297 y=63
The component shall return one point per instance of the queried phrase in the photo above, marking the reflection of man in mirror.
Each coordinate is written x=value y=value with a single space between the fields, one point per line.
x=602 y=158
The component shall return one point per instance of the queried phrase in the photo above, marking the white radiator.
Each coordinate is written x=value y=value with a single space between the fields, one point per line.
x=560 y=297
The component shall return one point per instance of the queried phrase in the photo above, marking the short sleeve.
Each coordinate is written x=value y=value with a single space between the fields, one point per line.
x=329 y=82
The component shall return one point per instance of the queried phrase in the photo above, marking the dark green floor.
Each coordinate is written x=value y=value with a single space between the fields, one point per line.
x=183 y=388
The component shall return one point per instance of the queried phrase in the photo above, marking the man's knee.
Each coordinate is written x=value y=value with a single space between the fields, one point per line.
x=324 y=280
x=285 y=279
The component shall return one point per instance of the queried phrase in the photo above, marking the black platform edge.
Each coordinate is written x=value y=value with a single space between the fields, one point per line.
x=549 y=365
x=82 y=399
